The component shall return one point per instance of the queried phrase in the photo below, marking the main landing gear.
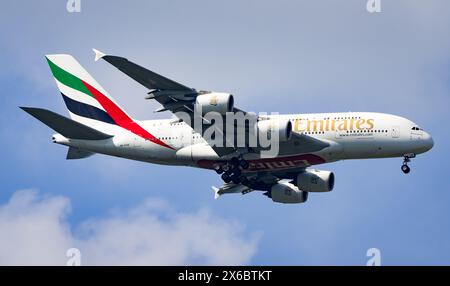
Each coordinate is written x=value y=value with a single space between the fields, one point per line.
x=232 y=170
x=406 y=159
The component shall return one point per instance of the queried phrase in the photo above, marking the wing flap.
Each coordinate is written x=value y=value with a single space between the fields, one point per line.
x=230 y=189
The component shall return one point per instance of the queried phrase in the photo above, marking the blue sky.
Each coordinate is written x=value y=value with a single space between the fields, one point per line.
x=283 y=56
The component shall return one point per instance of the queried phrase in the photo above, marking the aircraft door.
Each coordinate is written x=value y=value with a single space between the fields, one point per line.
x=395 y=131
x=185 y=133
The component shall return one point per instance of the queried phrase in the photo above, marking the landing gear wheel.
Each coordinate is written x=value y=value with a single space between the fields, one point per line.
x=406 y=160
x=243 y=180
x=237 y=172
x=235 y=179
x=405 y=169
x=244 y=164
x=227 y=169
x=226 y=178
x=232 y=170
x=218 y=169
x=234 y=162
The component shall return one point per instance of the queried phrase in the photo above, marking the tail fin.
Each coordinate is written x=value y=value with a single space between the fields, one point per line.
x=88 y=103
x=86 y=100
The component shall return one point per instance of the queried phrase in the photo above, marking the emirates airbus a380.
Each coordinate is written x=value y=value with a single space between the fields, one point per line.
x=200 y=135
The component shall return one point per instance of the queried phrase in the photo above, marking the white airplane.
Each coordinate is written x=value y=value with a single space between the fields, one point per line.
x=99 y=125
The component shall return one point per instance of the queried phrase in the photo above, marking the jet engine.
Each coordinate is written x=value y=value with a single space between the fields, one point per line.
x=287 y=193
x=214 y=102
x=281 y=127
x=315 y=181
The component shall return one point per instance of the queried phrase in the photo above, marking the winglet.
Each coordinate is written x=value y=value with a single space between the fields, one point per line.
x=216 y=192
x=98 y=54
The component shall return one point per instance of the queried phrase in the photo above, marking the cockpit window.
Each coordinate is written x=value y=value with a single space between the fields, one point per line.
x=415 y=128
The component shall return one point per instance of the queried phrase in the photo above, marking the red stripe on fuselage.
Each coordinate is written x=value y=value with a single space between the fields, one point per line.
x=278 y=163
x=121 y=118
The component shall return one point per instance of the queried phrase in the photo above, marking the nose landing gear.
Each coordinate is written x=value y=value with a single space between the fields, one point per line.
x=406 y=159
x=405 y=168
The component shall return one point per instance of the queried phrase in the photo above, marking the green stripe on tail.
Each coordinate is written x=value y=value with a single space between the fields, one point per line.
x=68 y=79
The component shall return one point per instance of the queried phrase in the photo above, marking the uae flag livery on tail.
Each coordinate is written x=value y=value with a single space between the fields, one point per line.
x=86 y=99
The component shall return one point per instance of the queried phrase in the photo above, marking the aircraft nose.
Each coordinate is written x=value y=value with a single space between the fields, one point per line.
x=428 y=141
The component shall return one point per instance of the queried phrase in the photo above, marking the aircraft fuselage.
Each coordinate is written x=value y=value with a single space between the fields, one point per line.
x=351 y=135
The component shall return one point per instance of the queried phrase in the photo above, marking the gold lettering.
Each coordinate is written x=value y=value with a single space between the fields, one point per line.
x=359 y=123
x=370 y=123
x=327 y=125
x=343 y=125
x=352 y=121
x=315 y=125
x=297 y=125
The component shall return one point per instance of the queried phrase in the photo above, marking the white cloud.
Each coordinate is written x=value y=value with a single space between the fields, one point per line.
x=35 y=231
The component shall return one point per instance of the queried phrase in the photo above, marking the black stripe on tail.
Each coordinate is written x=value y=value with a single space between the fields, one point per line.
x=86 y=110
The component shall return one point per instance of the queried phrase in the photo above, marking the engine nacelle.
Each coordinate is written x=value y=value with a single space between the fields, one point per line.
x=287 y=193
x=315 y=181
x=275 y=127
x=214 y=102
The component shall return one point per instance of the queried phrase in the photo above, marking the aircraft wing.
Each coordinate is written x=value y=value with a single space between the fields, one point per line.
x=261 y=181
x=176 y=97
x=147 y=78
x=173 y=96
x=230 y=188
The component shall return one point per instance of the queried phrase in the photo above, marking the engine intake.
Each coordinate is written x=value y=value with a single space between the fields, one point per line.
x=281 y=128
x=215 y=102
x=315 y=181
x=287 y=193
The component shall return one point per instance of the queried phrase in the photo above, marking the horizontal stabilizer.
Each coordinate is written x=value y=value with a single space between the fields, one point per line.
x=76 y=153
x=65 y=126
